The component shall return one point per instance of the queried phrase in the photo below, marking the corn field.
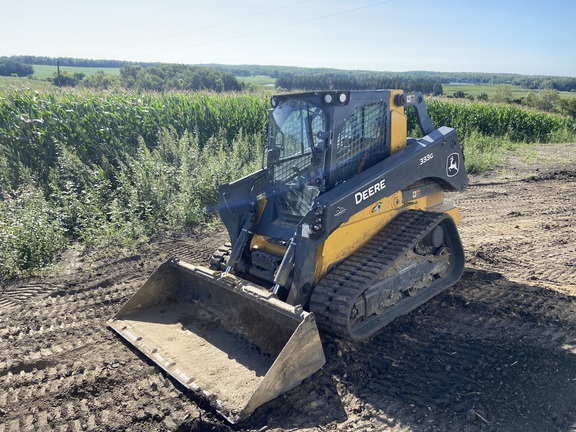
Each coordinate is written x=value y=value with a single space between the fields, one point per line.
x=498 y=120
x=107 y=170
x=102 y=129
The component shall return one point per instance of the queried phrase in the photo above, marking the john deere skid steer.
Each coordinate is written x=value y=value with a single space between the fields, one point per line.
x=344 y=229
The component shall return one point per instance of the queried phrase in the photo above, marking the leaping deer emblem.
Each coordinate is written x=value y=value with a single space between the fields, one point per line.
x=452 y=167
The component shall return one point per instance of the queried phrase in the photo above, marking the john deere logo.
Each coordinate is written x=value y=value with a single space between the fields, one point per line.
x=453 y=164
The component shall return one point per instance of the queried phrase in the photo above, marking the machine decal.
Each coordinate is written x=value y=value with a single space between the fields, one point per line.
x=453 y=164
x=426 y=158
x=370 y=191
x=340 y=211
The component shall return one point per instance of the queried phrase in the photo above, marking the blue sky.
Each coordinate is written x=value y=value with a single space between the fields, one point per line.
x=514 y=36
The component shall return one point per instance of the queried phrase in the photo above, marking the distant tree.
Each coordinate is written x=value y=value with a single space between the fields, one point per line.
x=100 y=80
x=177 y=77
x=67 y=79
x=459 y=94
x=549 y=100
x=437 y=89
x=548 y=83
x=568 y=106
x=11 y=68
x=503 y=93
x=545 y=100
x=129 y=75
x=482 y=97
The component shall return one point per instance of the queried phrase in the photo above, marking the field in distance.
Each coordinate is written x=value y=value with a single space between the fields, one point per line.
x=477 y=89
x=258 y=80
x=41 y=72
x=7 y=83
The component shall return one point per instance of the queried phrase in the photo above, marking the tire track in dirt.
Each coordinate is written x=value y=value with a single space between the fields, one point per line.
x=468 y=360
x=524 y=229
x=57 y=356
x=195 y=248
x=19 y=293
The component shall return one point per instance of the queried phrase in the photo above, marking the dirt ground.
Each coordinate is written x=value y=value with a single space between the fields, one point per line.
x=495 y=352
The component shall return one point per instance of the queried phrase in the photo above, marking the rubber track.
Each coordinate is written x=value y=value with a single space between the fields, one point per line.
x=334 y=295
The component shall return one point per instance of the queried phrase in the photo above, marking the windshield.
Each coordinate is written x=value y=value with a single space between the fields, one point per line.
x=296 y=127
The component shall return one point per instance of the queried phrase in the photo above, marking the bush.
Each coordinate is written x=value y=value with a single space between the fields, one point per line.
x=483 y=153
x=30 y=233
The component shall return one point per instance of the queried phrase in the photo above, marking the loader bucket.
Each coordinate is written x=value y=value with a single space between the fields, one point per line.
x=221 y=336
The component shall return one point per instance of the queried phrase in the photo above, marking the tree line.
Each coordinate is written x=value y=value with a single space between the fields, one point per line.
x=544 y=99
x=364 y=81
x=20 y=65
x=560 y=83
x=175 y=77
x=73 y=62
x=158 y=77
x=533 y=82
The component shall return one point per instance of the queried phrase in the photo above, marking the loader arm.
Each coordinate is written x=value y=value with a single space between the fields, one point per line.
x=239 y=200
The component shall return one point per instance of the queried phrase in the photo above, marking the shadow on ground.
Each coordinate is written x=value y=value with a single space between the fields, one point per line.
x=488 y=354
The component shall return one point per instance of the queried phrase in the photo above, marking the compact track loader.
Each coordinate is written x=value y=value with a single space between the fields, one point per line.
x=345 y=226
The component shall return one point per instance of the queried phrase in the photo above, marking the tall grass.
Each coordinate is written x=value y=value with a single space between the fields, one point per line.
x=31 y=233
x=483 y=153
